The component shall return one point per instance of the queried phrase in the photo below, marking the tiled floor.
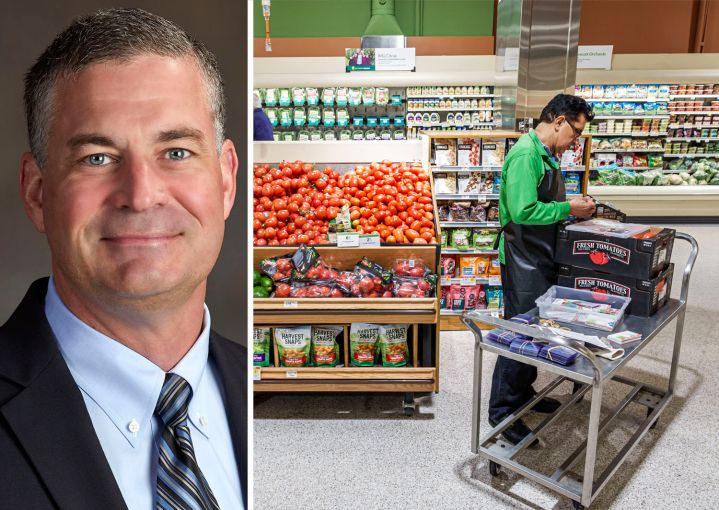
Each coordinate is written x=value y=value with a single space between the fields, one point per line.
x=360 y=452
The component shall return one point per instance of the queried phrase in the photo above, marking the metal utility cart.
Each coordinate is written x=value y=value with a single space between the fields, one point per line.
x=589 y=372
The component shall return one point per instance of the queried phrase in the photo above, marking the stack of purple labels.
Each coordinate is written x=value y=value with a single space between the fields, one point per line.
x=558 y=354
x=502 y=336
x=526 y=347
x=523 y=318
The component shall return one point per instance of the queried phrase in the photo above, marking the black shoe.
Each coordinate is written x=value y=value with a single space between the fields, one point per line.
x=516 y=432
x=547 y=405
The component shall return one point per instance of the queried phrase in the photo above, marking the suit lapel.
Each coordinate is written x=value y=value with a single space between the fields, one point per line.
x=49 y=417
x=231 y=361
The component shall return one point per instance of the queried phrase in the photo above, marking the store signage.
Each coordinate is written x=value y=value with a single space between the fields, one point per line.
x=595 y=57
x=495 y=280
x=370 y=240
x=379 y=59
x=588 y=57
x=257 y=373
x=348 y=240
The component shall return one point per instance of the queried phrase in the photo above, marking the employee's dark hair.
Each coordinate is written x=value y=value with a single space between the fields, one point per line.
x=113 y=35
x=569 y=106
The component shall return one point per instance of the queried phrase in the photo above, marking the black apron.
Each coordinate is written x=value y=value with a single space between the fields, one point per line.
x=529 y=251
x=528 y=271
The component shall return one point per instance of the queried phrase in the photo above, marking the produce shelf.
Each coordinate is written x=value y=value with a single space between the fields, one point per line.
x=694 y=96
x=607 y=117
x=635 y=168
x=467 y=196
x=450 y=109
x=633 y=135
x=488 y=224
x=704 y=155
x=442 y=168
x=624 y=151
x=688 y=125
x=448 y=96
x=691 y=139
x=663 y=201
x=696 y=112
x=451 y=251
x=488 y=311
x=469 y=280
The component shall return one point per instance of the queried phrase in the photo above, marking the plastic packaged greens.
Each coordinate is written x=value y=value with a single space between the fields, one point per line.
x=393 y=345
x=363 y=343
x=285 y=99
x=299 y=96
x=313 y=96
x=343 y=117
x=382 y=96
x=354 y=96
x=285 y=116
x=299 y=116
x=303 y=136
x=293 y=345
x=272 y=115
x=328 y=96
x=368 y=96
x=342 y=96
x=315 y=136
x=328 y=117
x=345 y=134
x=261 y=347
x=287 y=136
x=313 y=116
x=325 y=349
x=271 y=97
x=330 y=135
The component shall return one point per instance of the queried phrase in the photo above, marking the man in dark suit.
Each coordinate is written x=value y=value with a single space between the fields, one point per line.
x=114 y=391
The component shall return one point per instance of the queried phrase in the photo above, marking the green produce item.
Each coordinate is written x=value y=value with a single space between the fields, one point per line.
x=260 y=292
x=266 y=282
x=261 y=347
x=363 y=344
x=256 y=278
x=461 y=238
x=284 y=97
x=701 y=175
x=675 y=180
x=393 y=345
x=685 y=176
x=293 y=345
x=325 y=349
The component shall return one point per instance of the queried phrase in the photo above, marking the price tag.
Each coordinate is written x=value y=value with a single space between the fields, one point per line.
x=291 y=374
x=491 y=224
x=468 y=281
x=348 y=240
x=256 y=373
x=495 y=280
x=369 y=240
x=495 y=313
x=444 y=281
x=481 y=198
x=290 y=304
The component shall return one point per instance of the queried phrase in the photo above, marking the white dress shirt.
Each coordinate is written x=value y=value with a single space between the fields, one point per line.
x=120 y=388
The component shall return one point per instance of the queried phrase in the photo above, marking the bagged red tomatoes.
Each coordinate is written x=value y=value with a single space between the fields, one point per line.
x=315 y=290
x=278 y=268
x=371 y=280
x=410 y=287
x=410 y=267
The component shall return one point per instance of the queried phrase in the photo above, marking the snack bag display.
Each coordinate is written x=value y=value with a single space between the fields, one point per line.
x=493 y=152
x=448 y=266
x=445 y=183
x=325 y=349
x=468 y=152
x=445 y=151
x=461 y=239
x=494 y=267
x=444 y=297
x=484 y=239
x=467 y=266
x=494 y=297
x=482 y=263
x=293 y=345
x=261 y=338
x=393 y=345
x=363 y=344
x=457 y=297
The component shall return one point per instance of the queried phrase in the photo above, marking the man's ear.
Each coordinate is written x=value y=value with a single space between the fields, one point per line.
x=228 y=166
x=31 y=181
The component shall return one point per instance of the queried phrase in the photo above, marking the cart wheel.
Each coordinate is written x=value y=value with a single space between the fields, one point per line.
x=493 y=468
x=408 y=404
x=577 y=505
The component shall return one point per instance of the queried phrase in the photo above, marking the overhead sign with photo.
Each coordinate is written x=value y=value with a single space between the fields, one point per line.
x=379 y=59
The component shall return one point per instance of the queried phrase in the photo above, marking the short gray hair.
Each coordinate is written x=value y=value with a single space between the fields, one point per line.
x=113 y=35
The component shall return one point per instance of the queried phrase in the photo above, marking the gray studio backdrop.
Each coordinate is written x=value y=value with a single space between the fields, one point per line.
x=26 y=28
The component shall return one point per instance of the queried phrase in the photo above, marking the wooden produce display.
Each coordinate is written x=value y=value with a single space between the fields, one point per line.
x=421 y=373
x=453 y=162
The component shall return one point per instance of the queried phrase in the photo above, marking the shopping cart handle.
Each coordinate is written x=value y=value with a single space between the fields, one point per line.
x=690 y=264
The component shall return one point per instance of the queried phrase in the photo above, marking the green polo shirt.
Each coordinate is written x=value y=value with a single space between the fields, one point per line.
x=522 y=173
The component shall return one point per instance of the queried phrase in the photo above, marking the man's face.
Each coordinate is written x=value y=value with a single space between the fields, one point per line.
x=133 y=197
x=569 y=130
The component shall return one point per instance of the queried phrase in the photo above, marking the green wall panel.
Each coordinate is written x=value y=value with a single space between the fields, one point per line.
x=348 y=18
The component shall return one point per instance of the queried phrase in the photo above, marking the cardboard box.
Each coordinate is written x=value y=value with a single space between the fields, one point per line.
x=647 y=296
x=639 y=258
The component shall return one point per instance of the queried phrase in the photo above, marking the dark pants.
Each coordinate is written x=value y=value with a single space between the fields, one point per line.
x=512 y=380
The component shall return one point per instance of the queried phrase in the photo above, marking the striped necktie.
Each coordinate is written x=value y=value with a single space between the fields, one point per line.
x=180 y=483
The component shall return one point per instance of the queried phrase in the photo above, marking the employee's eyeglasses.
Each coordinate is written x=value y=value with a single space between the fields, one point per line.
x=577 y=132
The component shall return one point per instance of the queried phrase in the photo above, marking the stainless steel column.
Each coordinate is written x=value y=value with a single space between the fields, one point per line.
x=536 y=55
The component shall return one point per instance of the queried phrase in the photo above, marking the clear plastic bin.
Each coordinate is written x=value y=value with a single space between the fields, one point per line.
x=596 y=319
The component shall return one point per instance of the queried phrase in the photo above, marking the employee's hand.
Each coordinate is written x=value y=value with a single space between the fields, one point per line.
x=581 y=207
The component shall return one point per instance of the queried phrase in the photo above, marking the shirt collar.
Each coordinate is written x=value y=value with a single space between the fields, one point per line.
x=122 y=382
x=545 y=152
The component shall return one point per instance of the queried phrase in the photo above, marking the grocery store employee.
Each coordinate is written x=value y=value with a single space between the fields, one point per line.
x=531 y=202
x=114 y=391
